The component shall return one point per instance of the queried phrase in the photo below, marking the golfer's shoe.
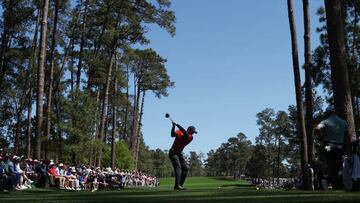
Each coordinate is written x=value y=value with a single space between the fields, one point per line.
x=179 y=188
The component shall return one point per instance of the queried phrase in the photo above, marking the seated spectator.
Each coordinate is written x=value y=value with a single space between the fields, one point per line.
x=82 y=180
x=13 y=173
x=53 y=174
x=61 y=170
x=25 y=182
x=29 y=169
x=73 y=179
x=18 y=173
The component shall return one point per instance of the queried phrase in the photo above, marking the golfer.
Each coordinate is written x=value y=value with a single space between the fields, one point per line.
x=182 y=138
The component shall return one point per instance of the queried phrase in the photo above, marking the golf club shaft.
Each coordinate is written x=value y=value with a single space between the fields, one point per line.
x=171 y=119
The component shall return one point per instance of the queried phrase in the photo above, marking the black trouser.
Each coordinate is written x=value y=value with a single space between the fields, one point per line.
x=180 y=168
x=334 y=162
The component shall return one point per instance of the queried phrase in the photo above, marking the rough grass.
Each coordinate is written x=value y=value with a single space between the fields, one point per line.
x=198 y=189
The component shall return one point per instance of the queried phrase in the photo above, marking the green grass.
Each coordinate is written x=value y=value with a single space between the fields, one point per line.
x=198 y=189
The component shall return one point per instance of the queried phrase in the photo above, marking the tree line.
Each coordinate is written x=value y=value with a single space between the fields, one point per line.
x=275 y=153
x=286 y=143
x=73 y=81
x=77 y=63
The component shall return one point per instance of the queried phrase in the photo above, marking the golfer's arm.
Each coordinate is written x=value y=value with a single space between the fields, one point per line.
x=182 y=130
x=173 y=133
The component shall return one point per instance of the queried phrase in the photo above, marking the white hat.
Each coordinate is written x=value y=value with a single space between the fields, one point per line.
x=61 y=164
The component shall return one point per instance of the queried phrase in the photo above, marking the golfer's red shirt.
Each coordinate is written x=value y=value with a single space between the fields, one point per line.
x=181 y=141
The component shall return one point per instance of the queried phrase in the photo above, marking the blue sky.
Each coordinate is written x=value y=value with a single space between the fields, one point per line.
x=229 y=60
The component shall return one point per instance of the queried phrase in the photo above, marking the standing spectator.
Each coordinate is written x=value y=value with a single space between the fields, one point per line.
x=311 y=177
x=41 y=169
x=332 y=132
x=4 y=181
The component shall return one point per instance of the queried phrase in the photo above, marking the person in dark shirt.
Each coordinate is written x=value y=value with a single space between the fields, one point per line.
x=182 y=138
x=332 y=132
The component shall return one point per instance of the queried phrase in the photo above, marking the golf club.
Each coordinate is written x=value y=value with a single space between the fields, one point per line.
x=168 y=116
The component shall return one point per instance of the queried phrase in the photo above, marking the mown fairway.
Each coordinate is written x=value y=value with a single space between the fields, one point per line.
x=198 y=190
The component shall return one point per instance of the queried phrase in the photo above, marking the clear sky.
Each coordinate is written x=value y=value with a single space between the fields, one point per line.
x=230 y=59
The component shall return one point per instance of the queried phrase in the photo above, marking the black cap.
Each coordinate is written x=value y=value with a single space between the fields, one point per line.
x=192 y=128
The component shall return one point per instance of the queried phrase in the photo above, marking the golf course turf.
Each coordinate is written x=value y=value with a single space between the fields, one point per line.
x=198 y=189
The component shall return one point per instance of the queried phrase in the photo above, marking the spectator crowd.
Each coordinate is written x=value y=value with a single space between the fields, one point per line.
x=20 y=173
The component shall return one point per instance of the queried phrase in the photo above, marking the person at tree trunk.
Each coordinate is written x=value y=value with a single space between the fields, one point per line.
x=332 y=132
x=182 y=138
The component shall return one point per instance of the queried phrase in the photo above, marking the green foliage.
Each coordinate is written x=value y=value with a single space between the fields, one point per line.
x=149 y=69
x=196 y=167
x=161 y=163
x=231 y=157
x=155 y=162
x=276 y=145
x=257 y=166
x=80 y=114
x=124 y=159
x=145 y=162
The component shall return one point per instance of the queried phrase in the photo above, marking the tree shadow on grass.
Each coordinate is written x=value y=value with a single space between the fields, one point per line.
x=238 y=186
x=224 y=178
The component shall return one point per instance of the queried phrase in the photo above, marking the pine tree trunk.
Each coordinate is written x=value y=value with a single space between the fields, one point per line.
x=30 y=85
x=125 y=138
x=58 y=95
x=41 y=79
x=107 y=124
x=356 y=69
x=278 y=161
x=82 y=43
x=29 y=132
x=135 y=121
x=51 y=79
x=357 y=104
x=105 y=107
x=339 y=69
x=70 y=45
x=20 y=111
x=97 y=45
x=355 y=27
x=308 y=83
x=138 y=136
x=93 y=155
x=299 y=104
x=91 y=82
x=72 y=76
x=5 y=40
x=113 y=143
